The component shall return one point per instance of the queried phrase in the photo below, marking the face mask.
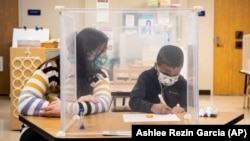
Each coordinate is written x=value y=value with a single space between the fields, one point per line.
x=167 y=80
x=101 y=61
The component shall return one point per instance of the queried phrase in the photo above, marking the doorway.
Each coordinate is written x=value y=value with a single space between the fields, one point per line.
x=8 y=20
x=230 y=18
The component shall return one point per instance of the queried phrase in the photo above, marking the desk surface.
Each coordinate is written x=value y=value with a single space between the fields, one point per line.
x=121 y=87
x=113 y=121
x=245 y=72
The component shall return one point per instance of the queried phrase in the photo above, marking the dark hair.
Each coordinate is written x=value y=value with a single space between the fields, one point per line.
x=170 y=55
x=87 y=40
x=56 y=59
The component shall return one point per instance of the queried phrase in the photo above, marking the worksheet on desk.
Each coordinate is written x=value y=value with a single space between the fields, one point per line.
x=146 y=118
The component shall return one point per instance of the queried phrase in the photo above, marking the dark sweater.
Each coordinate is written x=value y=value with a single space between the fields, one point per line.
x=146 y=90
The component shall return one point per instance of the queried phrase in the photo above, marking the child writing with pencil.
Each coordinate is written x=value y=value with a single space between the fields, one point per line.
x=161 y=89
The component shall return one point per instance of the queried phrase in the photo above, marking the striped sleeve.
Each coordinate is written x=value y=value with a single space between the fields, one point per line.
x=103 y=93
x=32 y=96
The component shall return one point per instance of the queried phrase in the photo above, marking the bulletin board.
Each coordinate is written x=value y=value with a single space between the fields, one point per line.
x=29 y=34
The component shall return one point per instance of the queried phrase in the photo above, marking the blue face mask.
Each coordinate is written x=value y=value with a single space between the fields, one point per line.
x=101 y=61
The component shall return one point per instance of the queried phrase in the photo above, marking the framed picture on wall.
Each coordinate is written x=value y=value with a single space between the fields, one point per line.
x=130 y=22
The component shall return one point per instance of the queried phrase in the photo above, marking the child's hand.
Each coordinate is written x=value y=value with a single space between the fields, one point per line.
x=177 y=109
x=161 y=109
x=52 y=110
x=88 y=98
x=100 y=77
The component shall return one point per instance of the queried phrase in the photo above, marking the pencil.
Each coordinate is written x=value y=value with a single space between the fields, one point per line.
x=162 y=100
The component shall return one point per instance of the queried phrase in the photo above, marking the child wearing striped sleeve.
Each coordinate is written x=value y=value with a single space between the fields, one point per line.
x=41 y=93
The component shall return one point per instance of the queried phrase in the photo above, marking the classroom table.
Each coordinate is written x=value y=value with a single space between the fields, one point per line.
x=113 y=121
x=121 y=90
x=246 y=84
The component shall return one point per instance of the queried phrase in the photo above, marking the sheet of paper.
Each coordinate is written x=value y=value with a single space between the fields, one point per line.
x=130 y=20
x=144 y=118
x=102 y=16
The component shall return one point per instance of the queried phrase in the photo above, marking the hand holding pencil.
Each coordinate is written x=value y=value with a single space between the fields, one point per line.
x=161 y=108
x=175 y=110
x=167 y=108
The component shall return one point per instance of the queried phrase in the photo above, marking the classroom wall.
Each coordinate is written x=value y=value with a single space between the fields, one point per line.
x=206 y=47
x=50 y=19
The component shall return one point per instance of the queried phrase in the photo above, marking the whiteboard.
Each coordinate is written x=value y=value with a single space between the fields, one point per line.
x=29 y=34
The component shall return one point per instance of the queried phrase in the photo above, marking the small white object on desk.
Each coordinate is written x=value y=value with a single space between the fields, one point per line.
x=144 y=117
x=117 y=133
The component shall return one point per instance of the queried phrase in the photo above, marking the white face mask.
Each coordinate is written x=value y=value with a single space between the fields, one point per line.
x=167 y=80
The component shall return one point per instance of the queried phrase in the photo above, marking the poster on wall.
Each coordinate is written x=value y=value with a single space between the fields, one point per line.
x=145 y=23
x=102 y=16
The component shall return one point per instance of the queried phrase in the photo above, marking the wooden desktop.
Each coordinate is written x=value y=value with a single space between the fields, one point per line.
x=112 y=121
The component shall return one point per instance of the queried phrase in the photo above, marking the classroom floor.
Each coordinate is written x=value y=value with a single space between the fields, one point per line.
x=223 y=103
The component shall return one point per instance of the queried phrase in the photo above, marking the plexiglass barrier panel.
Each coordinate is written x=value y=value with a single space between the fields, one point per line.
x=135 y=37
x=245 y=53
